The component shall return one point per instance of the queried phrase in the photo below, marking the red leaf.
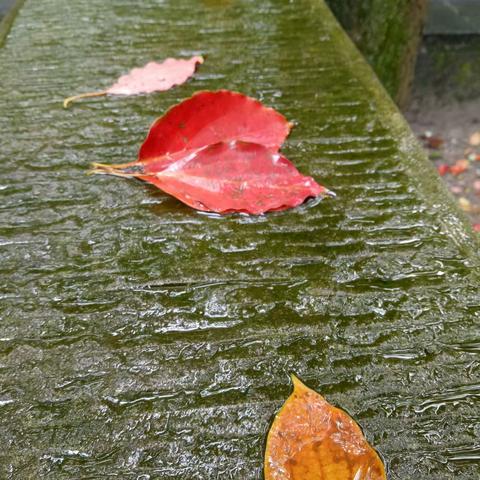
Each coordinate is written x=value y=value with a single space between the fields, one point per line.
x=212 y=117
x=218 y=151
x=234 y=177
x=443 y=169
x=152 y=77
x=227 y=177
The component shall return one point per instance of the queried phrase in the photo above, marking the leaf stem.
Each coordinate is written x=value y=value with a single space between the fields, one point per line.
x=74 y=98
x=105 y=169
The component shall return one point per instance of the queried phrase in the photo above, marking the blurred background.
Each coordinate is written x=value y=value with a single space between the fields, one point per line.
x=444 y=107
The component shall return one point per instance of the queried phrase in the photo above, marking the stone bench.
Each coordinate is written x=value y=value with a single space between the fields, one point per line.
x=141 y=339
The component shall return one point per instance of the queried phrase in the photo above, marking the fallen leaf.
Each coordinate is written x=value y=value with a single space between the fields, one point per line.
x=312 y=440
x=465 y=204
x=459 y=167
x=476 y=187
x=229 y=177
x=443 y=169
x=218 y=152
x=212 y=117
x=474 y=139
x=152 y=77
x=435 y=155
x=431 y=141
x=476 y=227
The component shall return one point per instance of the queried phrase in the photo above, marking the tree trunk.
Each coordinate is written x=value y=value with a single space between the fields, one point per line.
x=388 y=33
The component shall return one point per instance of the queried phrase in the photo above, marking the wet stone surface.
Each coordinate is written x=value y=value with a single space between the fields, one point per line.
x=141 y=339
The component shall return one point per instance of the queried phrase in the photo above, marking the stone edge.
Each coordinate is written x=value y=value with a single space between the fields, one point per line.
x=420 y=169
x=7 y=21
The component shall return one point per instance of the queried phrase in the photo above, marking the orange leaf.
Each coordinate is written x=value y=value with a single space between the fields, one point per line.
x=312 y=440
x=459 y=167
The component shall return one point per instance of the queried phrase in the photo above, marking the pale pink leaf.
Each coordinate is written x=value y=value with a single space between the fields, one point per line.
x=153 y=77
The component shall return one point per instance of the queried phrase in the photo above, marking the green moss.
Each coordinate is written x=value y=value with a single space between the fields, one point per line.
x=141 y=338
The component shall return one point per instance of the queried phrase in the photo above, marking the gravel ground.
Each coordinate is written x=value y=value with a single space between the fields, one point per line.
x=445 y=114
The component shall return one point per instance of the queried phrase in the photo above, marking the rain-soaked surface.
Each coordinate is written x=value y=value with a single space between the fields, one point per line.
x=141 y=339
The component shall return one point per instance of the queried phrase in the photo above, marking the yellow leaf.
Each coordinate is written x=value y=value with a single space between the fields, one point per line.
x=312 y=440
x=465 y=204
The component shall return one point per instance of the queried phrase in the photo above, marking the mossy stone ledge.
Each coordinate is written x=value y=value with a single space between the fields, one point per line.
x=142 y=339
